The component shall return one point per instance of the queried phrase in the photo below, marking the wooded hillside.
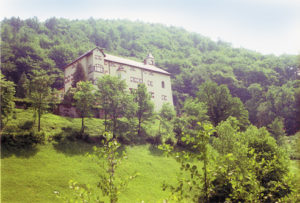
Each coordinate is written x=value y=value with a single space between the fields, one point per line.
x=266 y=84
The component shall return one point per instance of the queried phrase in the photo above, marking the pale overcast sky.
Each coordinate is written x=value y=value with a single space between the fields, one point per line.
x=266 y=26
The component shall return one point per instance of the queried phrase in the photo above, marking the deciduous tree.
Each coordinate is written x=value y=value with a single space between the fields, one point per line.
x=85 y=99
x=221 y=104
x=39 y=92
x=115 y=101
x=7 y=104
x=144 y=105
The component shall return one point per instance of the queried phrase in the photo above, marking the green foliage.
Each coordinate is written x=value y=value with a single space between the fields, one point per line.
x=23 y=136
x=21 y=91
x=144 y=105
x=114 y=100
x=247 y=166
x=197 y=185
x=165 y=117
x=276 y=129
x=279 y=102
x=108 y=159
x=79 y=75
x=273 y=173
x=195 y=112
x=221 y=104
x=7 y=90
x=69 y=97
x=109 y=183
x=39 y=92
x=85 y=99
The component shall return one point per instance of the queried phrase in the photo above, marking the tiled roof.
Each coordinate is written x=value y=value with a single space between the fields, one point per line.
x=124 y=61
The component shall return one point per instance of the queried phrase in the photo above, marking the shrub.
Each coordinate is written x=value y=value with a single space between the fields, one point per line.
x=154 y=140
x=22 y=139
x=27 y=125
x=57 y=136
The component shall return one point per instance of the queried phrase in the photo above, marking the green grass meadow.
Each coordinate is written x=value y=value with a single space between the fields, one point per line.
x=33 y=174
x=34 y=178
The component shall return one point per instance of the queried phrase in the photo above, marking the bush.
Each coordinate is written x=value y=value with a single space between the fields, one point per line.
x=154 y=140
x=27 y=125
x=57 y=136
x=22 y=139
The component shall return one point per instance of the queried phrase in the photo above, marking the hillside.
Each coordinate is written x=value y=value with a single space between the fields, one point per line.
x=258 y=80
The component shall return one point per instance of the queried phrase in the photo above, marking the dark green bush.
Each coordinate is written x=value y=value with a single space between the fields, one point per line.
x=57 y=136
x=27 y=125
x=22 y=139
x=154 y=140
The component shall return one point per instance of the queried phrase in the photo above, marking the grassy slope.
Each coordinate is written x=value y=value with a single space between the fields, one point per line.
x=34 y=178
x=34 y=174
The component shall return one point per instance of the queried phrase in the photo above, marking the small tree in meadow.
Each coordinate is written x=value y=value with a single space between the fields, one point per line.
x=85 y=99
x=39 y=92
x=110 y=183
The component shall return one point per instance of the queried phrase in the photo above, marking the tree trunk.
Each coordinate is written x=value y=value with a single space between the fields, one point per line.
x=82 y=125
x=105 y=120
x=205 y=180
x=114 y=127
x=39 y=119
x=139 y=127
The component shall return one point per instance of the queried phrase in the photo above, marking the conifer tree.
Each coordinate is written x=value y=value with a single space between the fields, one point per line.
x=79 y=75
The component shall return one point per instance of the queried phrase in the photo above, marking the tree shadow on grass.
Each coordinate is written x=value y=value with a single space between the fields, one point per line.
x=73 y=148
x=155 y=151
x=18 y=151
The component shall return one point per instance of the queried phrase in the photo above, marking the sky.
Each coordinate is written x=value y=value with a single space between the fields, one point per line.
x=265 y=26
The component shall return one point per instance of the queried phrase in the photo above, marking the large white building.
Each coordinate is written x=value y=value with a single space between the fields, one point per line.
x=96 y=63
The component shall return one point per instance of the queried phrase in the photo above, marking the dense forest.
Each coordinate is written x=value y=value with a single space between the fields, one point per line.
x=267 y=85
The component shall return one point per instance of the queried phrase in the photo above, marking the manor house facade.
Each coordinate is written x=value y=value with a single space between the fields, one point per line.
x=96 y=63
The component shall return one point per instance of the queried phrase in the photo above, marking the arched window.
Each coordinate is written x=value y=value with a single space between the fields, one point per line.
x=163 y=84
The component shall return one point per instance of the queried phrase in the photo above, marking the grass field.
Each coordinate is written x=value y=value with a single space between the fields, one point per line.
x=34 y=178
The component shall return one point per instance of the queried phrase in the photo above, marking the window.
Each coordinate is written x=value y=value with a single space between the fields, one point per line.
x=132 y=90
x=99 y=68
x=152 y=94
x=98 y=57
x=164 y=97
x=163 y=84
x=136 y=80
x=150 y=83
